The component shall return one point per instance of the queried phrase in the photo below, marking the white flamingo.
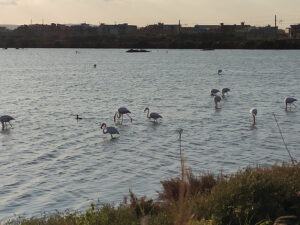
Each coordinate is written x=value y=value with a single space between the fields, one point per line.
x=289 y=101
x=110 y=130
x=213 y=92
x=152 y=115
x=5 y=119
x=253 y=112
x=217 y=99
x=121 y=111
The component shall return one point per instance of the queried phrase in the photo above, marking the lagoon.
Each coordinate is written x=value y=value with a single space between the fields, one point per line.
x=49 y=161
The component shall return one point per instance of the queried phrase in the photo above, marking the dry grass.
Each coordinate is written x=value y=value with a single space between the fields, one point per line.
x=252 y=196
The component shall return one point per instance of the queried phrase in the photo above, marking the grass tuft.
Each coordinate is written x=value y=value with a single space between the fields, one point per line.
x=252 y=196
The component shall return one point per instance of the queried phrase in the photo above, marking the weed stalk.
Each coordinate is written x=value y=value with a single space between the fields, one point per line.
x=292 y=159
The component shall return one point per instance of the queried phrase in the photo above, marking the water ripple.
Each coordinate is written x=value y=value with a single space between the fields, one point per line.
x=49 y=161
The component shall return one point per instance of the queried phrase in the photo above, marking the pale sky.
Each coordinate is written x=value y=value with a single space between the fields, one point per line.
x=144 y=12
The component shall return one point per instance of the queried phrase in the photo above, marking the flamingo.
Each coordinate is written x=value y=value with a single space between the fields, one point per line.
x=225 y=91
x=217 y=99
x=219 y=72
x=121 y=111
x=95 y=65
x=78 y=118
x=110 y=130
x=5 y=119
x=213 y=92
x=289 y=101
x=253 y=112
x=152 y=115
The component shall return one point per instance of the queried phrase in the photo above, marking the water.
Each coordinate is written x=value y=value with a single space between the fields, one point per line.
x=50 y=162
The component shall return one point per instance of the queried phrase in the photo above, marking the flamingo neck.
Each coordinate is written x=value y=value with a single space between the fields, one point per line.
x=115 y=116
x=148 y=113
x=253 y=119
x=104 y=129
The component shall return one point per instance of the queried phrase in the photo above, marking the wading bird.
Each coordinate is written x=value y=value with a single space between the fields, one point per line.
x=78 y=118
x=152 y=115
x=289 y=101
x=5 y=119
x=121 y=111
x=253 y=112
x=225 y=91
x=95 y=65
x=213 y=92
x=110 y=130
x=217 y=99
x=219 y=72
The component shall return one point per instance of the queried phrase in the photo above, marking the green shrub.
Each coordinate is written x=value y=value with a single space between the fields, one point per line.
x=251 y=196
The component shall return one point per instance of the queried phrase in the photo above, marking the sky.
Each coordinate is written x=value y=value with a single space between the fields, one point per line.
x=145 y=12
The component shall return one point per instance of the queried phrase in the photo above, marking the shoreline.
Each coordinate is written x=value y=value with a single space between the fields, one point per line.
x=255 y=195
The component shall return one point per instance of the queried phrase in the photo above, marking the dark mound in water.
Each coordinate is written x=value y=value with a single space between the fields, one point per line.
x=136 y=50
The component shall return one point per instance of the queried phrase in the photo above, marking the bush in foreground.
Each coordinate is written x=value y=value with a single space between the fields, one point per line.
x=252 y=196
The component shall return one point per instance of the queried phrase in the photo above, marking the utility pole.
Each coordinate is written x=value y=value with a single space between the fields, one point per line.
x=275 y=21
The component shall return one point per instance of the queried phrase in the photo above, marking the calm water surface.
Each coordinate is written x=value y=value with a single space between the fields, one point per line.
x=49 y=161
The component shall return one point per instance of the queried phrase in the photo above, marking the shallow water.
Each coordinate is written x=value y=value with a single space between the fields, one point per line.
x=49 y=161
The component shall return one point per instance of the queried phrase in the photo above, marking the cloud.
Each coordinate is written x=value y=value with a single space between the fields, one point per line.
x=8 y=2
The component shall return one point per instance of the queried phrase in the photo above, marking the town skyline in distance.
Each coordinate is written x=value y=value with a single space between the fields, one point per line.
x=145 y=12
x=276 y=22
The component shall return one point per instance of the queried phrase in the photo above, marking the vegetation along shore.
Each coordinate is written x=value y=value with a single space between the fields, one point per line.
x=251 y=196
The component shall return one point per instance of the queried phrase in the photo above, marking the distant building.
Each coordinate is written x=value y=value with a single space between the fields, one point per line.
x=187 y=30
x=233 y=28
x=266 y=32
x=83 y=28
x=162 y=28
x=205 y=28
x=3 y=30
x=117 y=29
x=294 y=31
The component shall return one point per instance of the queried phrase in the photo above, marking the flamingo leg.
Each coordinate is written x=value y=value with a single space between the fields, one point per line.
x=10 y=124
x=129 y=117
x=122 y=118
